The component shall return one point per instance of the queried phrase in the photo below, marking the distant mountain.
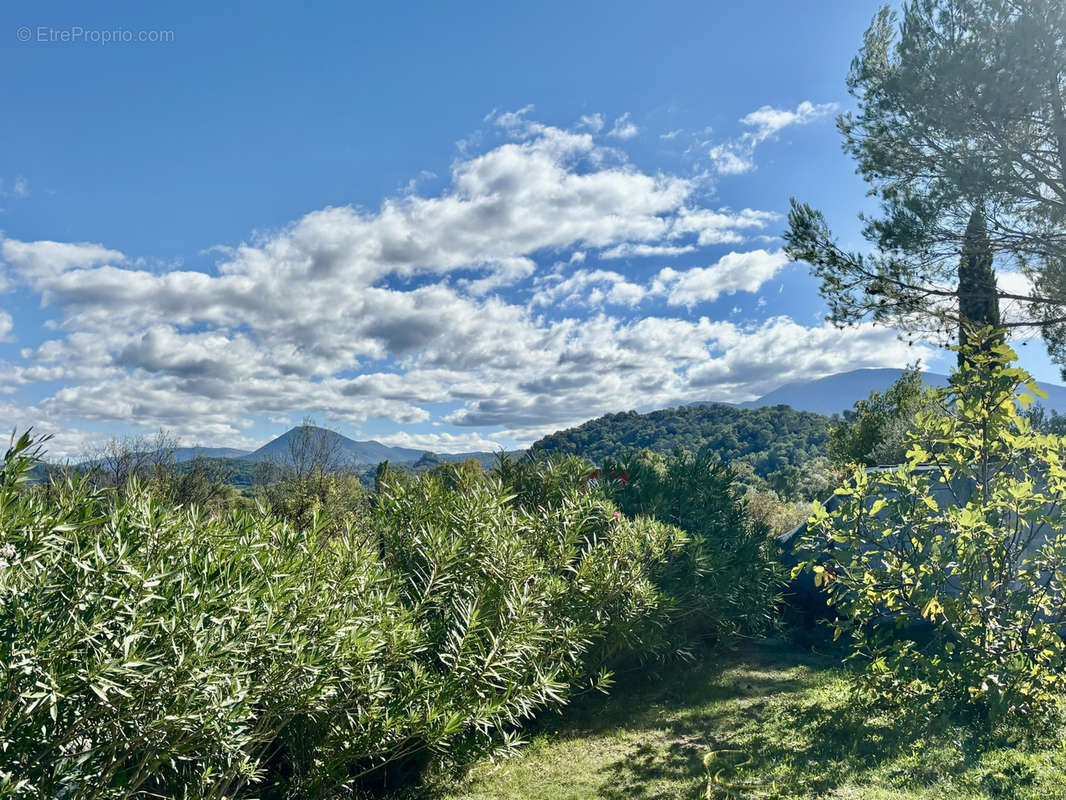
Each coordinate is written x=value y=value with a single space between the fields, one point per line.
x=347 y=452
x=182 y=454
x=767 y=438
x=835 y=393
x=488 y=460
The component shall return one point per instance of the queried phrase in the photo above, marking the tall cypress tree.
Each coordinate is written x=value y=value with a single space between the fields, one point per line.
x=978 y=300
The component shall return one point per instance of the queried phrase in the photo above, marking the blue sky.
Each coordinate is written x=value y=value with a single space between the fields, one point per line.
x=444 y=225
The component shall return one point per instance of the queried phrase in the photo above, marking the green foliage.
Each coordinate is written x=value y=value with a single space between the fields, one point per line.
x=200 y=482
x=334 y=499
x=958 y=132
x=978 y=303
x=799 y=483
x=875 y=431
x=540 y=483
x=156 y=650
x=723 y=578
x=456 y=472
x=729 y=579
x=949 y=570
x=778 y=516
x=580 y=576
x=149 y=651
x=770 y=438
x=1044 y=421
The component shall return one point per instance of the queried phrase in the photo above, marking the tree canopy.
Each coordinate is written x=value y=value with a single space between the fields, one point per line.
x=960 y=114
x=875 y=430
x=770 y=439
x=960 y=552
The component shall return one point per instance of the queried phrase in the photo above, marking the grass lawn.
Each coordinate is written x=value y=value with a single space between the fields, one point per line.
x=784 y=709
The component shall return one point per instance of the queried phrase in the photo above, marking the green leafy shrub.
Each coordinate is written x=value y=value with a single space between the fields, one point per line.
x=149 y=650
x=539 y=483
x=875 y=430
x=724 y=579
x=337 y=499
x=728 y=580
x=515 y=608
x=950 y=570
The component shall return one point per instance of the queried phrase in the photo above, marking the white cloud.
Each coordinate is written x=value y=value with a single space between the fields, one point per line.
x=732 y=159
x=738 y=156
x=607 y=286
x=755 y=360
x=624 y=128
x=594 y=122
x=734 y=272
x=629 y=250
x=655 y=362
x=768 y=120
x=509 y=119
x=44 y=258
x=719 y=227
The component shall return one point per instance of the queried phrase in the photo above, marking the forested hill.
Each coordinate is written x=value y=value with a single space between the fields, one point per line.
x=768 y=438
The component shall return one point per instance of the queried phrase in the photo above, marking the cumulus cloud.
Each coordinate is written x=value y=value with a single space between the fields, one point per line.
x=734 y=272
x=721 y=226
x=44 y=259
x=767 y=120
x=738 y=156
x=752 y=360
x=656 y=362
x=629 y=250
x=590 y=287
x=732 y=159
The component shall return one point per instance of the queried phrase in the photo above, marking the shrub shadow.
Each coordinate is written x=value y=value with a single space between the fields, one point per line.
x=807 y=746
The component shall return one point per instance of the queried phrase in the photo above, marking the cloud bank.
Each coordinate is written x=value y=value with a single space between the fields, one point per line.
x=492 y=310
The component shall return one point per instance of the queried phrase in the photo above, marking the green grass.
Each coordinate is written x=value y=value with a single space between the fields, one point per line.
x=788 y=712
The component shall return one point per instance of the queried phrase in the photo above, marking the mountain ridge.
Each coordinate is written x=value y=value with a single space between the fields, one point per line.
x=183 y=454
x=834 y=394
x=345 y=451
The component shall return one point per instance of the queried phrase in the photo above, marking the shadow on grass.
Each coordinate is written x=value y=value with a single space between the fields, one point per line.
x=643 y=695
x=779 y=718
x=769 y=702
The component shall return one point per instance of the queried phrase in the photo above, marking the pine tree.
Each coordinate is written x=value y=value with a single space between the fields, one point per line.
x=957 y=101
